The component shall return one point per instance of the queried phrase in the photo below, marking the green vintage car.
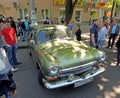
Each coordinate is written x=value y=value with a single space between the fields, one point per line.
x=61 y=59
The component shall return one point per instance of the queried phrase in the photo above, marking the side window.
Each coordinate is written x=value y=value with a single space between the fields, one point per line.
x=42 y=36
x=45 y=36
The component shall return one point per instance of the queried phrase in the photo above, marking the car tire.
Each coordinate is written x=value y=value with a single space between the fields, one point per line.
x=40 y=77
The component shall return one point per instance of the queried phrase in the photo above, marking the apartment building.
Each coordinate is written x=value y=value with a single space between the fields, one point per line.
x=83 y=11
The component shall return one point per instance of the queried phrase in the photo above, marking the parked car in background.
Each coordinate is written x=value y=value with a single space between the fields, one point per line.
x=61 y=59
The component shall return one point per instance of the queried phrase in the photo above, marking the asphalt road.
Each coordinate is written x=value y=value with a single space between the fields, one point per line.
x=105 y=85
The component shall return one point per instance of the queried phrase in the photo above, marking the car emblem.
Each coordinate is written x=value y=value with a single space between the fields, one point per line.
x=71 y=77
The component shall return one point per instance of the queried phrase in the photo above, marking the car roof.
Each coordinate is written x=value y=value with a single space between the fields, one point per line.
x=50 y=26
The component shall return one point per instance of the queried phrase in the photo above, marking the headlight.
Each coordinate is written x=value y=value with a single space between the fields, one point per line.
x=102 y=57
x=53 y=70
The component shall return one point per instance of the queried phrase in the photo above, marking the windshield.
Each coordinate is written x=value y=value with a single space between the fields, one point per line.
x=54 y=34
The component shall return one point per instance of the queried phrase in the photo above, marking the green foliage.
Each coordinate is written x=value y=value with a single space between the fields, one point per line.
x=117 y=1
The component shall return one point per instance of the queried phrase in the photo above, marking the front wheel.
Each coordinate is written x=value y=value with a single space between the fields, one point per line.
x=40 y=78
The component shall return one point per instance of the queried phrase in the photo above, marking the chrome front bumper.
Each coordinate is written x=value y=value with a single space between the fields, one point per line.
x=63 y=83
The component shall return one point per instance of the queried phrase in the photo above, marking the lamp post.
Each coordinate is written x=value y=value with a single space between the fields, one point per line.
x=33 y=13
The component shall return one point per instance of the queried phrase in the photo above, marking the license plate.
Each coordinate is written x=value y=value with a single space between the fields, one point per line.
x=79 y=83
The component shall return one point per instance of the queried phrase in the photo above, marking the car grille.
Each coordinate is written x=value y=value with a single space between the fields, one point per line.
x=77 y=70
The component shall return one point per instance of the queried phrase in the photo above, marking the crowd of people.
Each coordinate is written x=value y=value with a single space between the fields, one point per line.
x=102 y=29
x=10 y=32
x=8 y=59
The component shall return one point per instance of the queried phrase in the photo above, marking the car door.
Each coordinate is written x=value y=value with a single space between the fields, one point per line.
x=33 y=43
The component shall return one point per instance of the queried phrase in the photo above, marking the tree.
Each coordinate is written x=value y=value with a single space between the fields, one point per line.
x=69 y=8
x=113 y=7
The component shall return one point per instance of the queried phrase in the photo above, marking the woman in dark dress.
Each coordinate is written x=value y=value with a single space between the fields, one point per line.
x=78 y=33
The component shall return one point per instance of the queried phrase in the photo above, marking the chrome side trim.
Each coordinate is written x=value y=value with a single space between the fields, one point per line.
x=66 y=82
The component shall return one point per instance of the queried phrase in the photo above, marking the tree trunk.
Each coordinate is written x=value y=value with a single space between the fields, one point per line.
x=69 y=8
x=112 y=9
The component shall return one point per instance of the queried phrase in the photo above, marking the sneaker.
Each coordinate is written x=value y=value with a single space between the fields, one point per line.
x=14 y=69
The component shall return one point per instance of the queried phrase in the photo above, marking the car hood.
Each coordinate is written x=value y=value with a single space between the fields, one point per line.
x=70 y=52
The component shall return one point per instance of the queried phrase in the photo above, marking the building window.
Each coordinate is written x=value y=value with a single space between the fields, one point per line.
x=23 y=13
x=100 y=0
x=36 y=10
x=94 y=0
x=44 y=13
x=78 y=16
x=62 y=14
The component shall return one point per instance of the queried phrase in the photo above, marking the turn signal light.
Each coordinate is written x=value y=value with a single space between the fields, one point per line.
x=100 y=65
x=52 y=79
